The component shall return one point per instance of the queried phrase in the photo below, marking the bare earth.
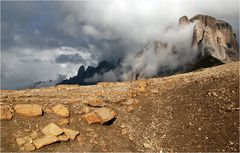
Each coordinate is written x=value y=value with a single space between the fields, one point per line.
x=197 y=111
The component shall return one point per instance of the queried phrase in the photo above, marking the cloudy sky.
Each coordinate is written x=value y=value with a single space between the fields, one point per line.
x=42 y=40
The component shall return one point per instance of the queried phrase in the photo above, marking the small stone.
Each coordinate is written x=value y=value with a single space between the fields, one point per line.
x=46 y=140
x=85 y=109
x=70 y=133
x=95 y=102
x=147 y=145
x=124 y=131
x=92 y=118
x=52 y=129
x=214 y=93
x=130 y=109
x=5 y=113
x=29 y=109
x=27 y=138
x=231 y=143
x=63 y=137
x=22 y=148
x=63 y=122
x=48 y=110
x=20 y=141
x=61 y=110
x=29 y=146
x=106 y=114
x=34 y=135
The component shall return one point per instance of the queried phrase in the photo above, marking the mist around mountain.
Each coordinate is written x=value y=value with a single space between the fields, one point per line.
x=202 y=41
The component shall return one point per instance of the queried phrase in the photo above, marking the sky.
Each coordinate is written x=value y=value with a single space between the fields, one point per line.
x=46 y=40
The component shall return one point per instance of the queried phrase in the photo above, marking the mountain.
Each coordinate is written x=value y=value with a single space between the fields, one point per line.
x=83 y=74
x=213 y=43
x=213 y=37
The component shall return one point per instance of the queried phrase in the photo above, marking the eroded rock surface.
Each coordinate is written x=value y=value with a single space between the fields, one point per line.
x=29 y=109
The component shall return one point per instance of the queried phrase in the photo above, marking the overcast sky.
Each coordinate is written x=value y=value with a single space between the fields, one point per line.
x=41 y=40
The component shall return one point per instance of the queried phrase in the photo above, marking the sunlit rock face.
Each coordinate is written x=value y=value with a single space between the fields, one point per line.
x=213 y=37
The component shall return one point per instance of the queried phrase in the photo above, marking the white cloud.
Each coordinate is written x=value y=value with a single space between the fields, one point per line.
x=97 y=30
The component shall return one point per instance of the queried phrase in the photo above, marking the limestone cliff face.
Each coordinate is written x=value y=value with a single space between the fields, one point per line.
x=213 y=37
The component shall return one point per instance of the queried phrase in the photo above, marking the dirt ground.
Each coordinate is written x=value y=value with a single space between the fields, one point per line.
x=191 y=112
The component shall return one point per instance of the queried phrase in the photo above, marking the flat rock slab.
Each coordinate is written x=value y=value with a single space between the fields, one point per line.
x=29 y=109
x=61 y=110
x=6 y=113
x=100 y=115
x=106 y=114
x=52 y=129
x=46 y=140
x=70 y=133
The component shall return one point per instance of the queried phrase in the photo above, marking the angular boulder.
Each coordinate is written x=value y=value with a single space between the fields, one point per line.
x=29 y=109
x=101 y=115
x=106 y=114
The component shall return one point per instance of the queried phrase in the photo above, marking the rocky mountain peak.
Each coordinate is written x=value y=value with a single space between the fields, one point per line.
x=213 y=37
x=81 y=70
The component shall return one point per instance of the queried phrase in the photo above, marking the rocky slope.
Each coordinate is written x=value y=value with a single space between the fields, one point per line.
x=212 y=39
x=196 y=111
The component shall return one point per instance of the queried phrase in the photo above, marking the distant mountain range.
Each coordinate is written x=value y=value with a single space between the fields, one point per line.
x=213 y=40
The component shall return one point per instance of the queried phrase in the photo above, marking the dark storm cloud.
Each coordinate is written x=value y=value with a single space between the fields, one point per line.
x=95 y=30
x=73 y=58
